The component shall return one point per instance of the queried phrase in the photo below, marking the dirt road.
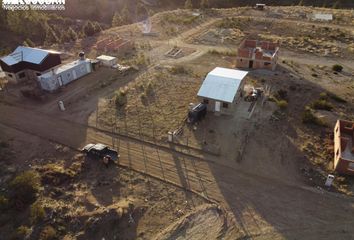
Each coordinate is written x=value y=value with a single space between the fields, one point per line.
x=261 y=207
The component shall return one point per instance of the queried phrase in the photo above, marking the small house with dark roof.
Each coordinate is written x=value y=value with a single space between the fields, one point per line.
x=27 y=63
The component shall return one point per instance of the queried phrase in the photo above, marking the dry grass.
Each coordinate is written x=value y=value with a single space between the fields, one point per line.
x=156 y=103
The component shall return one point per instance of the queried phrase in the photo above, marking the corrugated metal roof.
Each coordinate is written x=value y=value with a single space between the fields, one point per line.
x=27 y=54
x=65 y=67
x=222 y=84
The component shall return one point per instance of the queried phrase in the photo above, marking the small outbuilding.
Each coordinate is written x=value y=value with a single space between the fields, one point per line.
x=107 y=61
x=222 y=89
x=64 y=74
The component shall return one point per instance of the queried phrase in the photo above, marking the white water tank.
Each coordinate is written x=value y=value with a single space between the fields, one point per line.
x=61 y=106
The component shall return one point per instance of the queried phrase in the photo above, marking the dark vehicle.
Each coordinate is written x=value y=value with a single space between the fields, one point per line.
x=253 y=95
x=100 y=151
x=197 y=113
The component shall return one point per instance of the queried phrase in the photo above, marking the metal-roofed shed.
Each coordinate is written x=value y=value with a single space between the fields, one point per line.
x=221 y=89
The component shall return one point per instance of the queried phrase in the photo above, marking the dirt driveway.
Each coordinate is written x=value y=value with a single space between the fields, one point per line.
x=261 y=206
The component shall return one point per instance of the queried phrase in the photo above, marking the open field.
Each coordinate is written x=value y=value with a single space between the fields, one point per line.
x=255 y=174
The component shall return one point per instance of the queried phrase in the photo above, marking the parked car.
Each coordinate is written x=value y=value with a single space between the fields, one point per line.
x=100 y=151
x=197 y=113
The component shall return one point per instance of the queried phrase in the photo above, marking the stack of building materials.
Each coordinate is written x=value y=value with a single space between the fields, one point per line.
x=118 y=45
x=107 y=61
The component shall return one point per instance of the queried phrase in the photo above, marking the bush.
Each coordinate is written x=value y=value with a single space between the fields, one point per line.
x=121 y=97
x=337 y=98
x=309 y=117
x=282 y=104
x=281 y=94
x=37 y=212
x=337 y=68
x=24 y=188
x=179 y=70
x=22 y=232
x=4 y=203
x=149 y=91
x=323 y=96
x=48 y=233
x=322 y=104
x=223 y=53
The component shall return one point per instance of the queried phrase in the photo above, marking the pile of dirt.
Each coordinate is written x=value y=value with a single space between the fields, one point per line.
x=206 y=222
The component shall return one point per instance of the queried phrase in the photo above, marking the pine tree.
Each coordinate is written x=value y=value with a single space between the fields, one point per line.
x=29 y=43
x=125 y=14
x=72 y=34
x=89 y=29
x=117 y=20
x=188 y=4
x=204 y=4
x=50 y=37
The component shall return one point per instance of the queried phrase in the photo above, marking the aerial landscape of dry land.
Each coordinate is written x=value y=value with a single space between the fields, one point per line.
x=192 y=122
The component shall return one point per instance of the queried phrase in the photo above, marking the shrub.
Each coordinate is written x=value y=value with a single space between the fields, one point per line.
x=48 y=233
x=337 y=68
x=121 y=97
x=179 y=70
x=24 y=188
x=4 y=203
x=143 y=97
x=149 y=89
x=281 y=94
x=223 y=53
x=37 y=212
x=322 y=104
x=282 y=104
x=323 y=96
x=309 y=117
x=337 y=98
x=22 y=232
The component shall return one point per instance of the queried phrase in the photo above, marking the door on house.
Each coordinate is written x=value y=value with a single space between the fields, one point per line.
x=74 y=74
x=60 y=81
x=250 y=64
x=217 y=106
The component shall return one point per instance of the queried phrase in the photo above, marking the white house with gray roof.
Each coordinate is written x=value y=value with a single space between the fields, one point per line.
x=221 y=89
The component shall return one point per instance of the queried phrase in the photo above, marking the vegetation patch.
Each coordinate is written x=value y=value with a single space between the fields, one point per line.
x=223 y=53
x=309 y=117
x=337 y=68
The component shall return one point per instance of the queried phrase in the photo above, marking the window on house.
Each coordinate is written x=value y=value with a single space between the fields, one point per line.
x=240 y=60
x=38 y=74
x=337 y=129
x=22 y=75
x=225 y=105
x=206 y=101
x=337 y=153
x=10 y=75
x=267 y=63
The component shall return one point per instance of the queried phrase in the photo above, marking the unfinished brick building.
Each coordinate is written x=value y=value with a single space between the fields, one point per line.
x=118 y=45
x=257 y=54
x=343 y=147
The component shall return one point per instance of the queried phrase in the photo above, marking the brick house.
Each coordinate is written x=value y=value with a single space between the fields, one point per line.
x=344 y=147
x=257 y=54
